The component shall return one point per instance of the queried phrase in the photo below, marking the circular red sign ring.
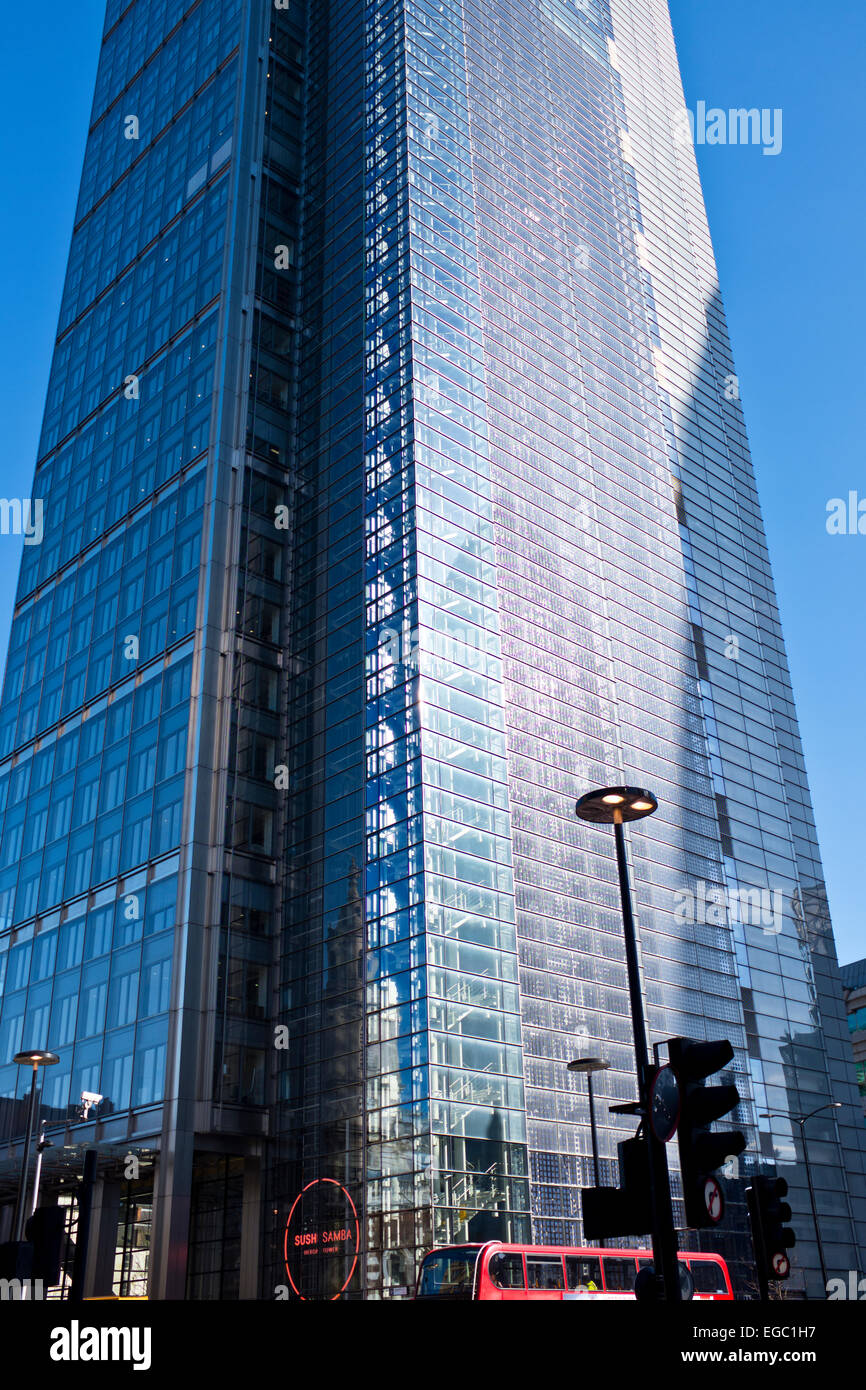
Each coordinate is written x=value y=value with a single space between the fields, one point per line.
x=286 y=1240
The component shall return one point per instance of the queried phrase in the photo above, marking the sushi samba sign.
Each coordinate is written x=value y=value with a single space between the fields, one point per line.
x=322 y=1239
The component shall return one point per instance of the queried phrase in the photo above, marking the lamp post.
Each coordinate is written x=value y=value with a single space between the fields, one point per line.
x=34 y=1059
x=590 y=1065
x=615 y=806
x=801 y=1121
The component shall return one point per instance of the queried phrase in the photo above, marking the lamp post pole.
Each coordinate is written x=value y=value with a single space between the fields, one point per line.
x=811 y=1187
x=34 y=1059
x=18 y=1223
x=614 y=806
x=801 y=1121
x=631 y=957
x=663 y=1235
x=592 y=1130
x=590 y=1065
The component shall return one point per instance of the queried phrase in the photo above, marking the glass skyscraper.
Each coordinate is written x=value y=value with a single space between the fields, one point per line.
x=396 y=491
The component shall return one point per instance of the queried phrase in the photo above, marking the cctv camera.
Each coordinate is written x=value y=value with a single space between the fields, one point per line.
x=90 y=1097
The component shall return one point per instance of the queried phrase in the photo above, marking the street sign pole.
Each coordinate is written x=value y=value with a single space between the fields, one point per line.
x=664 y=1237
x=758 y=1244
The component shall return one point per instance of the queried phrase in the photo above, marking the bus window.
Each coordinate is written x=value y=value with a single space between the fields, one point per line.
x=544 y=1272
x=708 y=1277
x=583 y=1272
x=619 y=1275
x=448 y=1273
x=506 y=1271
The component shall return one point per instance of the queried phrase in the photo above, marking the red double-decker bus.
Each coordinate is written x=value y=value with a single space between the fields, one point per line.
x=495 y=1271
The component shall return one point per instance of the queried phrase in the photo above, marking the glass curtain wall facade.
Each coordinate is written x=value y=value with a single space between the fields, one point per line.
x=110 y=717
x=395 y=493
x=795 y=1055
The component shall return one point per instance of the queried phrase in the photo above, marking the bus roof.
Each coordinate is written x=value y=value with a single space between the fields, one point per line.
x=517 y=1248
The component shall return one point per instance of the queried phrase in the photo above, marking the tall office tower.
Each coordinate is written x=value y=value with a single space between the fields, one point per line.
x=854 y=995
x=396 y=492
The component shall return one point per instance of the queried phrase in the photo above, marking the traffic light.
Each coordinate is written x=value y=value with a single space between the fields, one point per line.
x=46 y=1230
x=625 y=1210
x=702 y=1151
x=771 y=1237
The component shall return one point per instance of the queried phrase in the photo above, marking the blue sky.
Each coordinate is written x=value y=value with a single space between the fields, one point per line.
x=788 y=236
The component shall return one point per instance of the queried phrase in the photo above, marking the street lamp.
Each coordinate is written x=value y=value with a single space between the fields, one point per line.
x=614 y=806
x=35 y=1059
x=588 y=1066
x=801 y=1121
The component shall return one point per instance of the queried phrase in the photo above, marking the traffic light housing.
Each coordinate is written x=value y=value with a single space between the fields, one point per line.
x=625 y=1210
x=46 y=1231
x=703 y=1152
x=16 y=1259
x=771 y=1236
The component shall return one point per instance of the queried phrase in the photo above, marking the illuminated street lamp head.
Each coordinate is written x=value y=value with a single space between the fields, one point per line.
x=34 y=1058
x=616 y=804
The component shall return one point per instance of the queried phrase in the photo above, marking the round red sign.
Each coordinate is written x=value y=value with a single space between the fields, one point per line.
x=321 y=1241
